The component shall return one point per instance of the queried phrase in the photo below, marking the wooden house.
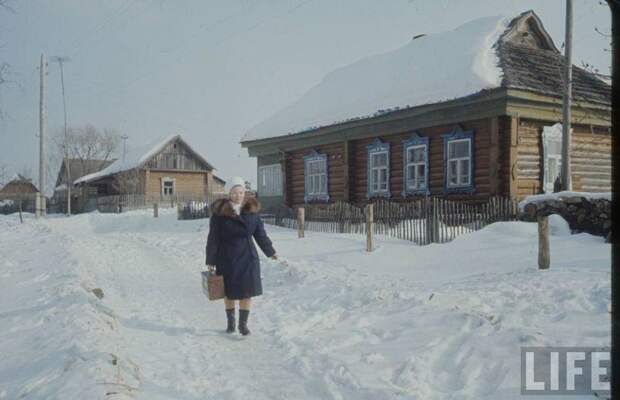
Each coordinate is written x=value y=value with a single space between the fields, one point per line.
x=18 y=193
x=466 y=114
x=169 y=169
x=80 y=196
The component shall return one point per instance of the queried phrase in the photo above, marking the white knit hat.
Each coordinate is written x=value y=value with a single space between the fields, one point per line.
x=235 y=181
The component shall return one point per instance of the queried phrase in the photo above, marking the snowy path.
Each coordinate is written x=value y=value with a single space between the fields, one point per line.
x=433 y=322
x=167 y=312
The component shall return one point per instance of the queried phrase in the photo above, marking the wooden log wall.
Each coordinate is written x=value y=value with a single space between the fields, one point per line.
x=335 y=166
x=186 y=182
x=590 y=163
x=482 y=144
x=507 y=162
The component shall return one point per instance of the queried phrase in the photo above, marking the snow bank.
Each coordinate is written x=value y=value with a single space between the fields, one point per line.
x=563 y=195
x=430 y=69
x=558 y=226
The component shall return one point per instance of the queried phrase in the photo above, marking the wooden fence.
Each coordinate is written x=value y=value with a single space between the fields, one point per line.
x=424 y=221
x=120 y=203
x=193 y=210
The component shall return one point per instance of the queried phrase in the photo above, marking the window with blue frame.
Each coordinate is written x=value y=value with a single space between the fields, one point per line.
x=315 y=173
x=415 y=165
x=459 y=161
x=378 y=169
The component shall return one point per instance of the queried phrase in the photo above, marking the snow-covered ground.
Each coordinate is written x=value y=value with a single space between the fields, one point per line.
x=443 y=321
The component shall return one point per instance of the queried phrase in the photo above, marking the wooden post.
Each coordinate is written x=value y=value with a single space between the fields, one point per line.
x=286 y=199
x=300 y=222
x=543 y=242
x=155 y=210
x=435 y=225
x=493 y=156
x=346 y=196
x=513 y=173
x=369 y=223
x=21 y=220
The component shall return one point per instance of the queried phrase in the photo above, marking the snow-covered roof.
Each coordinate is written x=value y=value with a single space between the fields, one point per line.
x=136 y=158
x=484 y=54
x=79 y=168
x=428 y=69
x=19 y=178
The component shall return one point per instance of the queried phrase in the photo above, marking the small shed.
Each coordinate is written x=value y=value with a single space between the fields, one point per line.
x=70 y=170
x=20 y=192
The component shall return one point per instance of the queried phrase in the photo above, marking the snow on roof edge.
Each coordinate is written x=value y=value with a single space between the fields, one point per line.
x=480 y=68
x=130 y=162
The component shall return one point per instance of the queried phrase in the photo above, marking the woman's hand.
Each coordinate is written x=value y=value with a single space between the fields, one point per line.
x=274 y=257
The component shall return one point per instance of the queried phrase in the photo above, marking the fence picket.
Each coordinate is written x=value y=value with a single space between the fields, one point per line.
x=422 y=221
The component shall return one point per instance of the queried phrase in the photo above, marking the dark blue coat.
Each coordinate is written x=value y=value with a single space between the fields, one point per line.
x=231 y=250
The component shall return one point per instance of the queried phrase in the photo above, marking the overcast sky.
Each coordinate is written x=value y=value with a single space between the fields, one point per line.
x=210 y=70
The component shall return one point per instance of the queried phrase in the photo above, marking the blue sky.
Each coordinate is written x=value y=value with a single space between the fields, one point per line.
x=210 y=70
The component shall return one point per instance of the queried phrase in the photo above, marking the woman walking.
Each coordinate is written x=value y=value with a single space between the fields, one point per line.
x=230 y=251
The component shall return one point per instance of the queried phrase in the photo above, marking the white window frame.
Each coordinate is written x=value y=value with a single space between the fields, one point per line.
x=551 y=134
x=316 y=185
x=165 y=180
x=270 y=180
x=317 y=182
x=409 y=163
x=372 y=168
x=459 y=165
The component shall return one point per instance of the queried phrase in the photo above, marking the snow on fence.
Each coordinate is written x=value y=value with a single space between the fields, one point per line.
x=193 y=210
x=424 y=221
x=120 y=203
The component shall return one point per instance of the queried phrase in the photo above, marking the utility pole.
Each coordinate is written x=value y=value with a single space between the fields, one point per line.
x=568 y=80
x=40 y=202
x=61 y=61
x=124 y=137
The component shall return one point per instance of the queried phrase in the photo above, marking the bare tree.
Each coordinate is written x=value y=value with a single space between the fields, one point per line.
x=85 y=144
x=129 y=182
x=5 y=4
x=85 y=149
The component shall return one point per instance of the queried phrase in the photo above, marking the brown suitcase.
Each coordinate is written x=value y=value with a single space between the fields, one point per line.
x=212 y=285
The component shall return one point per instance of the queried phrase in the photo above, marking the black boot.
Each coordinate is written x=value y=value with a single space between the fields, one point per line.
x=230 y=316
x=243 y=322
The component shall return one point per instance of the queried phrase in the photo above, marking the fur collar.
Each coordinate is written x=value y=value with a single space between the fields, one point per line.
x=224 y=207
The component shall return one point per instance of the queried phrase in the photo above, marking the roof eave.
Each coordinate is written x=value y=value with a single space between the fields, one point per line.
x=485 y=95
